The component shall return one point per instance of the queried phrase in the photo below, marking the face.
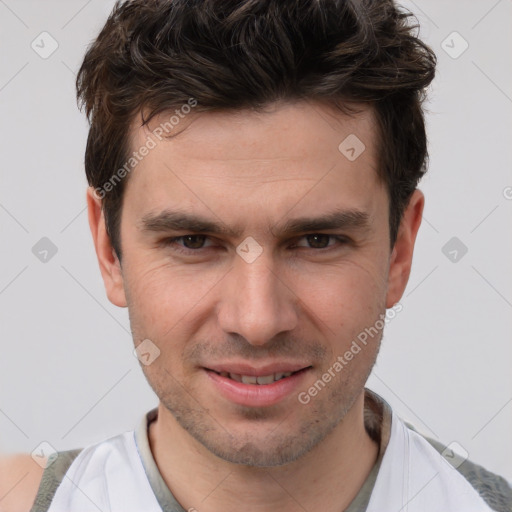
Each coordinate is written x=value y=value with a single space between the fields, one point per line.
x=254 y=252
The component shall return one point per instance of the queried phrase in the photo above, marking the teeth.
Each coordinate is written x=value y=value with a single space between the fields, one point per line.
x=251 y=379
x=267 y=379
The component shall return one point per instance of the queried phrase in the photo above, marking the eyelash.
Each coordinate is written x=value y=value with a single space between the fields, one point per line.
x=173 y=241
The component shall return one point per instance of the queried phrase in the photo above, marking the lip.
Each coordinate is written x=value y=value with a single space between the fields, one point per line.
x=256 y=395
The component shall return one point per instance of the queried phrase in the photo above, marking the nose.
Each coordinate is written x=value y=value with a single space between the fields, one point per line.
x=256 y=303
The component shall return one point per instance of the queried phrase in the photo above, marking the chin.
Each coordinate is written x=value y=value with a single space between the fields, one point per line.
x=259 y=444
x=251 y=453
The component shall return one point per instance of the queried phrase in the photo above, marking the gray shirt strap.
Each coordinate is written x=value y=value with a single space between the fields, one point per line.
x=52 y=478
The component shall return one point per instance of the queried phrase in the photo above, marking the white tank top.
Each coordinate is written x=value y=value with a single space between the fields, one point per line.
x=413 y=477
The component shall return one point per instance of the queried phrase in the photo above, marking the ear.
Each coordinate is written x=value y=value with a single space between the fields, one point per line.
x=110 y=267
x=401 y=256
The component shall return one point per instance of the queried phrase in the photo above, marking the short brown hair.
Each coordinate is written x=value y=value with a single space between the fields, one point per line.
x=154 y=55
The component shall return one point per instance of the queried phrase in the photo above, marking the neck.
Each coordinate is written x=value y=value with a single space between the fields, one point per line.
x=326 y=478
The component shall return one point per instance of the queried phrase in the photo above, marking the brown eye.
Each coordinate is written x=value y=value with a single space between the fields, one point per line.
x=193 y=241
x=321 y=241
x=188 y=245
x=318 y=241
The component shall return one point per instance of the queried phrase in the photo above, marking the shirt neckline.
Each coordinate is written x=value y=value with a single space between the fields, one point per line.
x=377 y=421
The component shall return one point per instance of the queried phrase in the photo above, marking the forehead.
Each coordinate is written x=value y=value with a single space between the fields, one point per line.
x=305 y=152
x=268 y=133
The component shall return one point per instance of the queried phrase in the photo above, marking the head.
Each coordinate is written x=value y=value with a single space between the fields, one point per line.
x=253 y=171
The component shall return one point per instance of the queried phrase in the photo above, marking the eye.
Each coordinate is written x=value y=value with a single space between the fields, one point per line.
x=321 y=241
x=188 y=242
x=194 y=243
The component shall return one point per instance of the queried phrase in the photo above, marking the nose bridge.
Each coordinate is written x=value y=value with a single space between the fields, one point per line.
x=256 y=304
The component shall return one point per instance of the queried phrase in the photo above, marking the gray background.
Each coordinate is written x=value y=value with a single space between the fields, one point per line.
x=67 y=373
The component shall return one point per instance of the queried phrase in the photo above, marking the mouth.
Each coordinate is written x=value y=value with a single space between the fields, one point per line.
x=251 y=387
x=259 y=380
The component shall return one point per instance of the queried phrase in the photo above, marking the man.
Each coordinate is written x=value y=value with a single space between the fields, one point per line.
x=253 y=169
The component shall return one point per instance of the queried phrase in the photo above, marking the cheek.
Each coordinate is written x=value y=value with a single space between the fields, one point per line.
x=349 y=303
x=344 y=296
x=161 y=297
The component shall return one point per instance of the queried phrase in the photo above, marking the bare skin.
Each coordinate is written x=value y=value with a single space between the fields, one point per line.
x=19 y=480
x=299 y=304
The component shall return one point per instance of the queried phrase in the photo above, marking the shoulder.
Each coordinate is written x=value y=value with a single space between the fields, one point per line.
x=20 y=477
x=26 y=486
x=495 y=490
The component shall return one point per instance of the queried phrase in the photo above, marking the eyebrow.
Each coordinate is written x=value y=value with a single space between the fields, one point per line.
x=169 y=220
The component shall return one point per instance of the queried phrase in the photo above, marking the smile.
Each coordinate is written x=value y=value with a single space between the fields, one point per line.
x=259 y=380
x=256 y=388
